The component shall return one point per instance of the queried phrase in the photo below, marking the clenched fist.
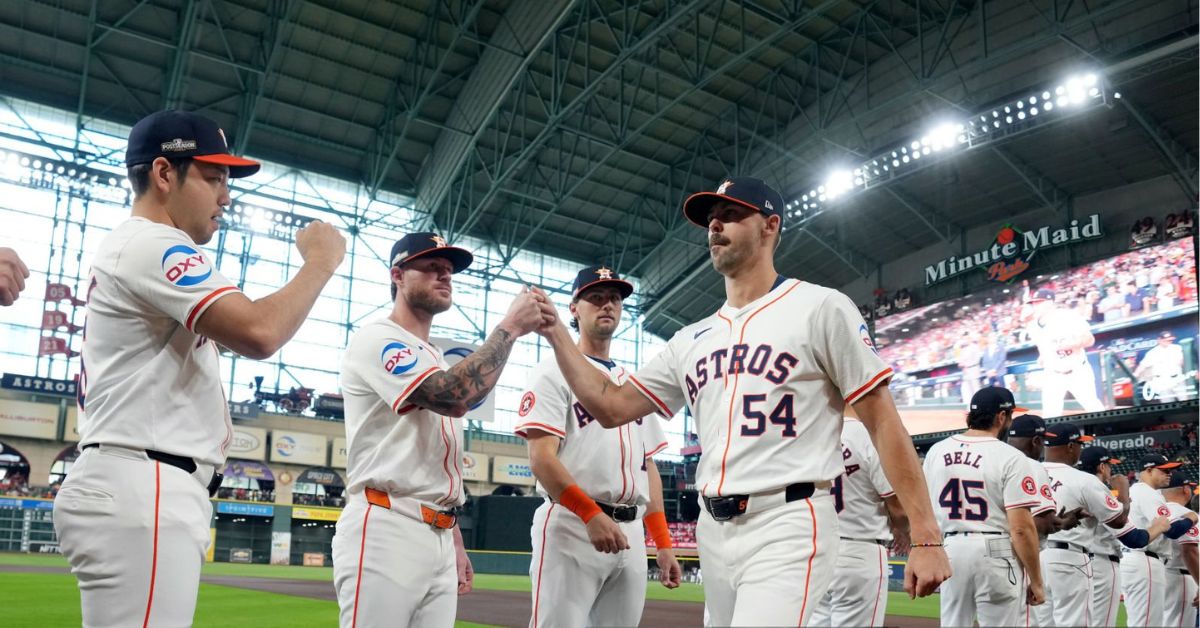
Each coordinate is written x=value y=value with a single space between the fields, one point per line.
x=13 y=274
x=527 y=312
x=321 y=245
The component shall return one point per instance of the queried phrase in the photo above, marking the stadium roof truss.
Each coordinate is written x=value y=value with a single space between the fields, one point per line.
x=576 y=127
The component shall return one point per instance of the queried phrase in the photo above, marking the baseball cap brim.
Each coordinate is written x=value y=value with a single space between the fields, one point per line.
x=1167 y=465
x=460 y=259
x=238 y=166
x=696 y=207
x=624 y=287
x=1017 y=409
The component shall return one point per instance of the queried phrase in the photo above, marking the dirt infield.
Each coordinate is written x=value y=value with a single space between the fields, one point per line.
x=500 y=608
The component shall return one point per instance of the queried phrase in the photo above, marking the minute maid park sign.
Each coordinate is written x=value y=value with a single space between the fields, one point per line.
x=1011 y=251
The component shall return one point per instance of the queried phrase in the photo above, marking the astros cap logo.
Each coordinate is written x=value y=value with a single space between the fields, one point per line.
x=439 y=241
x=724 y=186
x=604 y=273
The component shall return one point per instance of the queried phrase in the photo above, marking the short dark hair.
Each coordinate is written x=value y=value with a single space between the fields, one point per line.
x=575 y=319
x=139 y=174
x=981 y=420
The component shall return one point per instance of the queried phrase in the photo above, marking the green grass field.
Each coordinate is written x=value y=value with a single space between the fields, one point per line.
x=51 y=599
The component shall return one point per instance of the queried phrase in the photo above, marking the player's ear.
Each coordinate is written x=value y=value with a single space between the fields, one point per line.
x=161 y=174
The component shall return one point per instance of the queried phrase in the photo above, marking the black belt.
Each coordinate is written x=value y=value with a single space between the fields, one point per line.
x=183 y=463
x=1154 y=555
x=619 y=512
x=730 y=506
x=973 y=533
x=1066 y=546
x=1116 y=558
x=1184 y=572
x=879 y=542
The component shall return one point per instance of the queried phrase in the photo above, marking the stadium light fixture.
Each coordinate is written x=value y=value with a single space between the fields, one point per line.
x=1017 y=115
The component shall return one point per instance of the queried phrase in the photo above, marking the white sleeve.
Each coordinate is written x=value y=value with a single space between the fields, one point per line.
x=169 y=273
x=1020 y=487
x=659 y=381
x=1099 y=501
x=844 y=350
x=1045 y=495
x=1149 y=509
x=392 y=365
x=545 y=404
x=654 y=439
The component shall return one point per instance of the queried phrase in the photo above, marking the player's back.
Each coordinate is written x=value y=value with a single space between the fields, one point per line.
x=860 y=490
x=973 y=480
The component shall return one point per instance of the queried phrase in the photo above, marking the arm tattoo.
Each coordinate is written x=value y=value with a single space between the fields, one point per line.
x=468 y=382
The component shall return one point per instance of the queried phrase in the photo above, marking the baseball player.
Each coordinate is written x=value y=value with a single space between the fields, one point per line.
x=1162 y=370
x=1183 y=564
x=1062 y=338
x=398 y=557
x=1143 y=579
x=868 y=511
x=767 y=378
x=985 y=491
x=133 y=515
x=589 y=547
x=13 y=274
x=1107 y=540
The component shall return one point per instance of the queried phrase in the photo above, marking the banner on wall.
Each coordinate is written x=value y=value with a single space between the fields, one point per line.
x=297 y=447
x=475 y=466
x=455 y=351
x=42 y=385
x=249 y=443
x=1140 y=440
x=321 y=475
x=28 y=419
x=316 y=514
x=248 y=469
x=1011 y=252
x=506 y=470
x=281 y=548
x=337 y=454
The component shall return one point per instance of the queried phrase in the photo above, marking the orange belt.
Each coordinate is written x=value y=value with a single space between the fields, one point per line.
x=441 y=519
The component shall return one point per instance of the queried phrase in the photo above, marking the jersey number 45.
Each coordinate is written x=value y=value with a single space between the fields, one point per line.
x=957 y=499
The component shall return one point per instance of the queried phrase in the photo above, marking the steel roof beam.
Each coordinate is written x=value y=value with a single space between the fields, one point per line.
x=279 y=14
x=172 y=93
x=1178 y=157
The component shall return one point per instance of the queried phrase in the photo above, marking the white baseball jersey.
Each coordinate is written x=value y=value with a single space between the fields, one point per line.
x=1191 y=537
x=607 y=464
x=1049 y=330
x=1145 y=504
x=1162 y=362
x=767 y=384
x=1046 y=502
x=859 y=492
x=148 y=381
x=392 y=445
x=1074 y=489
x=975 y=480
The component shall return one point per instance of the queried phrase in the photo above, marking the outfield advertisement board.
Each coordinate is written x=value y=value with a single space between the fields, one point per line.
x=507 y=470
x=297 y=447
x=29 y=420
x=249 y=443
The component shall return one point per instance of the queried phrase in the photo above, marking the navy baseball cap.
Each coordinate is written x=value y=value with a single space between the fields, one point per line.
x=994 y=399
x=1179 y=479
x=428 y=244
x=1065 y=434
x=1027 y=426
x=599 y=276
x=745 y=191
x=175 y=134
x=1042 y=295
x=1157 y=461
x=1092 y=457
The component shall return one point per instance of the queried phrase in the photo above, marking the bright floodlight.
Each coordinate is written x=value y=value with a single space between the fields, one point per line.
x=838 y=183
x=943 y=135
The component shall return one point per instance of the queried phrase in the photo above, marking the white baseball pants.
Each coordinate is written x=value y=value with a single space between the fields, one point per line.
x=1143 y=581
x=1106 y=591
x=134 y=531
x=985 y=589
x=859 y=591
x=1178 y=611
x=771 y=567
x=1067 y=577
x=392 y=570
x=573 y=584
x=1080 y=382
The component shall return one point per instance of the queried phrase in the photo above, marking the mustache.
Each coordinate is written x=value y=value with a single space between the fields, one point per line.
x=716 y=238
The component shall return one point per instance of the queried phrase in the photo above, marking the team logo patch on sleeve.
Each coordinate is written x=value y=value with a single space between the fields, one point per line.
x=1046 y=493
x=185 y=266
x=1163 y=511
x=398 y=358
x=1193 y=532
x=527 y=401
x=1111 y=501
x=1029 y=486
x=866 y=337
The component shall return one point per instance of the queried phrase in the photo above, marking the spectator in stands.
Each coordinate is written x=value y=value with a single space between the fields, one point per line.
x=1112 y=307
x=994 y=361
x=969 y=358
x=1135 y=302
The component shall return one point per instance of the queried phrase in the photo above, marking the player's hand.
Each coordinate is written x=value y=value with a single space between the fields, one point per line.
x=525 y=314
x=1035 y=595
x=927 y=568
x=1158 y=525
x=13 y=274
x=669 y=573
x=466 y=572
x=549 y=312
x=321 y=245
x=606 y=536
x=1119 y=481
x=1071 y=518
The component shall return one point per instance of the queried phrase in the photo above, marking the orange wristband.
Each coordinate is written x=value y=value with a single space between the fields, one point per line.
x=575 y=500
x=656 y=523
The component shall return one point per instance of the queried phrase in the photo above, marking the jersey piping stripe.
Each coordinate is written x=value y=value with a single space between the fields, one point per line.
x=662 y=407
x=1108 y=610
x=154 y=555
x=882 y=579
x=1021 y=505
x=887 y=494
x=1182 y=604
x=621 y=437
x=812 y=515
x=729 y=421
x=1149 y=590
x=657 y=448
x=537 y=593
x=446 y=466
x=458 y=460
x=549 y=429
x=203 y=304
x=869 y=386
x=362 y=547
x=411 y=387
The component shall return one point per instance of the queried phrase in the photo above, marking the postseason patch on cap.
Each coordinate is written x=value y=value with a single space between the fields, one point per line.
x=398 y=358
x=184 y=266
x=179 y=145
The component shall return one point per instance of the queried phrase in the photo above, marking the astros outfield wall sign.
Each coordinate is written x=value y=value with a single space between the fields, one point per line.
x=1013 y=249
